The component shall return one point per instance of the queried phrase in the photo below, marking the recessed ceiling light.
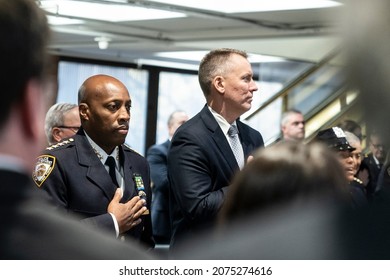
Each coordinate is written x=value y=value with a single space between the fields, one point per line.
x=53 y=20
x=107 y=12
x=247 y=6
x=198 y=55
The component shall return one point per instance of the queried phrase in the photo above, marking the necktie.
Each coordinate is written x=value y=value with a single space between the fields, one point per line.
x=110 y=162
x=236 y=145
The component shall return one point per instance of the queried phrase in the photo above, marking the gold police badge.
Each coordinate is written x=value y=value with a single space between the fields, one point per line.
x=43 y=168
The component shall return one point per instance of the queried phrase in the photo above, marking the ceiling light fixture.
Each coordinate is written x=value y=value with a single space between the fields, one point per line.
x=104 y=11
x=102 y=42
x=248 y=6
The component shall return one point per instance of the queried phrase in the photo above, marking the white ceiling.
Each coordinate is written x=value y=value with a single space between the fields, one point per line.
x=307 y=34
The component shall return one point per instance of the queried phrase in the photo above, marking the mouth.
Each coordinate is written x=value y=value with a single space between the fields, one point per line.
x=123 y=129
x=350 y=171
x=249 y=99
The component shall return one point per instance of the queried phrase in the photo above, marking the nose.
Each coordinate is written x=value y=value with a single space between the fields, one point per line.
x=253 y=86
x=124 y=114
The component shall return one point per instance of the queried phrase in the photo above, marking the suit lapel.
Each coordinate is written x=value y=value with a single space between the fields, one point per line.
x=219 y=138
x=96 y=171
x=245 y=145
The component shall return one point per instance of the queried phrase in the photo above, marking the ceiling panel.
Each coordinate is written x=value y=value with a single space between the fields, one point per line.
x=307 y=34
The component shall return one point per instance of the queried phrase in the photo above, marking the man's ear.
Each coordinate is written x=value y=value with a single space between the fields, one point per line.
x=56 y=132
x=83 y=110
x=219 y=84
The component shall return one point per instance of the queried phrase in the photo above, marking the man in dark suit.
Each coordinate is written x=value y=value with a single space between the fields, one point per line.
x=29 y=227
x=373 y=162
x=201 y=160
x=77 y=173
x=157 y=158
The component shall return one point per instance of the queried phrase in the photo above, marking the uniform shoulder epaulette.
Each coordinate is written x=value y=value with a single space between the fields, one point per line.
x=131 y=149
x=60 y=144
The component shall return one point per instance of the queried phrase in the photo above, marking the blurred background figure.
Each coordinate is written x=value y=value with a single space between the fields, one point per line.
x=286 y=173
x=62 y=121
x=366 y=36
x=349 y=157
x=293 y=125
x=157 y=158
x=335 y=139
x=383 y=185
x=373 y=161
x=282 y=205
x=357 y=187
x=367 y=52
x=351 y=126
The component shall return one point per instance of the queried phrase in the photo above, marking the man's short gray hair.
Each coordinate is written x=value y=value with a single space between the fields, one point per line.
x=55 y=117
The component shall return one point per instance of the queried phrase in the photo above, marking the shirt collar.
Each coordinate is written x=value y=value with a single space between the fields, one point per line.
x=101 y=154
x=221 y=121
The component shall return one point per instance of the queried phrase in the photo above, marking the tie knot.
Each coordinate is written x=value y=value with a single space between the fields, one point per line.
x=110 y=162
x=232 y=131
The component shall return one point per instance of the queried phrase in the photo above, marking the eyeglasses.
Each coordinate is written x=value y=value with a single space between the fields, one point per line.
x=378 y=146
x=73 y=128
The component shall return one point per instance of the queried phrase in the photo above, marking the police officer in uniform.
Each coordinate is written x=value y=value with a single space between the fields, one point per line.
x=93 y=174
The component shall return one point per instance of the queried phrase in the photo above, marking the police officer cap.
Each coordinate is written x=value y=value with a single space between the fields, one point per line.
x=335 y=138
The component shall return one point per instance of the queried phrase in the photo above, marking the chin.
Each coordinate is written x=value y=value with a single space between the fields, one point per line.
x=120 y=140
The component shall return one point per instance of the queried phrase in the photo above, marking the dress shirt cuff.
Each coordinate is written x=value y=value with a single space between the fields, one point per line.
x=115 y=224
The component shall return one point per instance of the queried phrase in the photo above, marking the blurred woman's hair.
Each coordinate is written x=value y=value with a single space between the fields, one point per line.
x=284 y=173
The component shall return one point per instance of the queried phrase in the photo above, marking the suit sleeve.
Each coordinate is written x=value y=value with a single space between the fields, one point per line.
x=191 y=181
x=158 y=168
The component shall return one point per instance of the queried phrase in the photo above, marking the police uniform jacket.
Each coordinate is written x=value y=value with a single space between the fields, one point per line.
x=78 y=183
x=30 y=229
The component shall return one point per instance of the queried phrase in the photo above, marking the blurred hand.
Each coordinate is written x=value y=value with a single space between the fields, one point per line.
x=249 y=159
x=127 y=214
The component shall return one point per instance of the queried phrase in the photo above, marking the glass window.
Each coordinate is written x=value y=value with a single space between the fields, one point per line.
x=177 y=92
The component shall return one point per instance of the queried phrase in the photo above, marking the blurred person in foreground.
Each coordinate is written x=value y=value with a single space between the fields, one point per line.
x=93 y=174
x=30 y=229
x=366 y=35
x=157 y=158
x=211 y=147
x=62 y=121
x=284 y=204
x=292 y=125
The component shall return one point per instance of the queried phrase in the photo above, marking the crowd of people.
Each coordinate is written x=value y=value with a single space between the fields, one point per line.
x=211 y=191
